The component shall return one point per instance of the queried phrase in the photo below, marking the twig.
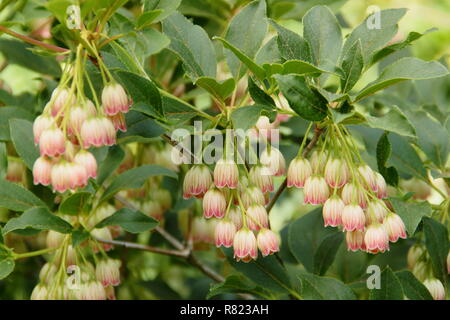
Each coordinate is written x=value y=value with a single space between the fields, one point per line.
x=317 y=132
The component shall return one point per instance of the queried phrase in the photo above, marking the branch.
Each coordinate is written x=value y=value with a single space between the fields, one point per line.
x=33 y=41
x=317 y=132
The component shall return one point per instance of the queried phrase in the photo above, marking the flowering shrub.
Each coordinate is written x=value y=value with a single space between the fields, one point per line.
x=276 y=161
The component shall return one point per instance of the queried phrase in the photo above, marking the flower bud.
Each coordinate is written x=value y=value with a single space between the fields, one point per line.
x=274 y=161
x=110 y=293
x=59 y=100
x=395 y=227
x=214 y=204
x=153 y=209
x=376 y=211
x=196 y=182
x=77 y=115
x=98 y=132
x=102 y=234
x=336 y=173
x=201 y=230
x=68 y=176
x=381 y=186
x=268 y=242
x=369 y=177
x=376 y=238
x=436 y=288
x=420 y=270
x=47 y=273
x=40 y=292
x=244 y=244
x=107 y=272
x=299 y=170
x=318 y=161
x=252 y=195
x=164 y=198
x=226 y=174
x=316 y=190
x=41 y=123
x=54 y=239
x=355 y=240
x=224 y=233
x=15 y=171
x=352 y=193
x=258 y=176
x=332 y=211
x=257 y=217
x=119 y=122
x=52 y=142
x=414 y=254
x=353 y=218
x=235 y=215
x=88 y=162
x=114 y=99
x=92 y=290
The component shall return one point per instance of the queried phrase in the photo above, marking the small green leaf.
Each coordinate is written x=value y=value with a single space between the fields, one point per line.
x=304 y=100
x=314 y=287
x=7 y=113
x=110 y=163
x=78 y=237
x=6 y=267
x=37 y=218
x=167 y=7
x=326 y=252
x=384 y=150
x=246 y=117
x=405 y=158
x=147 y=18
x=291 y=45
x=394 y=121
x=14 y=197
x=140 y=126
x=411 y=213
x=22 y=137
x=3 y=160
x=75 y=203
x=130 y=220
x=259 y=95
x=390 y=287
x=220 y=90
x=413 y=288
x=437 y=243
x=352 y=65
x=135 y=178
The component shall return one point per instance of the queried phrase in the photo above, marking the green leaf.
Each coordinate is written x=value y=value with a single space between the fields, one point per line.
x=192 y=45
x=221 y=90
x=245 y=59
x=437 y=243
x=37 y=218
x=304 y=100
x=22 y=137
x=246 y=32
x=177 y=111
x=246 y=117
x=17 y=52
x=236 y=284
x=7 y=113
x=413 y=288
x=405 y=158
x=259 y=95
x=140 y=126
x=352 y=65
x=404 y=69
x=130 y=220
x=147 y=18
x=390 y=287
x=7 y=266
x=75 y=203
x=314 y=287
x=142 y=91
x=3 y=160
x=78 y=237
x=394 y=121
x=322 y=31
x=291 y=45
x=135 y=178
x=411 y=213
x=269 y=52
x=16 y=198
x=110 y=163
x=384 y=150
x=312 y=244
x=372 y=36
x=167 y=7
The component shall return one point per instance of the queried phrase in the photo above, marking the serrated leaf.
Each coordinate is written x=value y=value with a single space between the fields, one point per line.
x=390 y=287
x=75 y=203
x=37 y=218
x=221 y=90
x=130 y=220
x=314 y=287
x=165 y=6
x=394 y=121
x=147 y=18
x=16 y=198
x=22 y=138
x=437 y=243
x=291 y=45
x=413 y=288
x=411 y=213
x=352 y=65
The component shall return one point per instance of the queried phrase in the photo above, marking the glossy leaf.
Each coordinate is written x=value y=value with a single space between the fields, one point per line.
x=352 y=65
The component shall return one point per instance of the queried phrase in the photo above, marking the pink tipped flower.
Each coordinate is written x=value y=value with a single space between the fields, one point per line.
x=92 y=290
x=107 y=271
x=376 y=211
x=153 y=209
x=259 y=177
x=376 y=238
x=336 y=173
x=299 y=170
x=41 y=123
x=119 y=122
x=318 y=161
x=355 y=240
x=316 y=190
x=214 y=204
x=114 y=99
x=436 y=288
x=332 y=211
x=352 y=193
x=252 y=195
x=196 y=182
x=353 y=218
x=257 y=217
x=59 y=99
x=395 y=227
x=274 y=161
x=245 y=247
x=381 y=186
x=226 y=174
x=87 y=160
x=52 y=142
x=98 y=132
x=77 y=115
x=224 y=233
x=68 y=176
x=15 y=171
x=235 y=215
x=369 y=177
x=268 y=242
x=42 y=171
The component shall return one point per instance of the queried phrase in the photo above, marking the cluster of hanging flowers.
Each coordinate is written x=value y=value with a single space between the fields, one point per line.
x=352 y=194
x=71 y=124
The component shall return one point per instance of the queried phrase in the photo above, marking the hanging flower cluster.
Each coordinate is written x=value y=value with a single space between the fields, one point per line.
x=351 y=192
x=71 y=124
